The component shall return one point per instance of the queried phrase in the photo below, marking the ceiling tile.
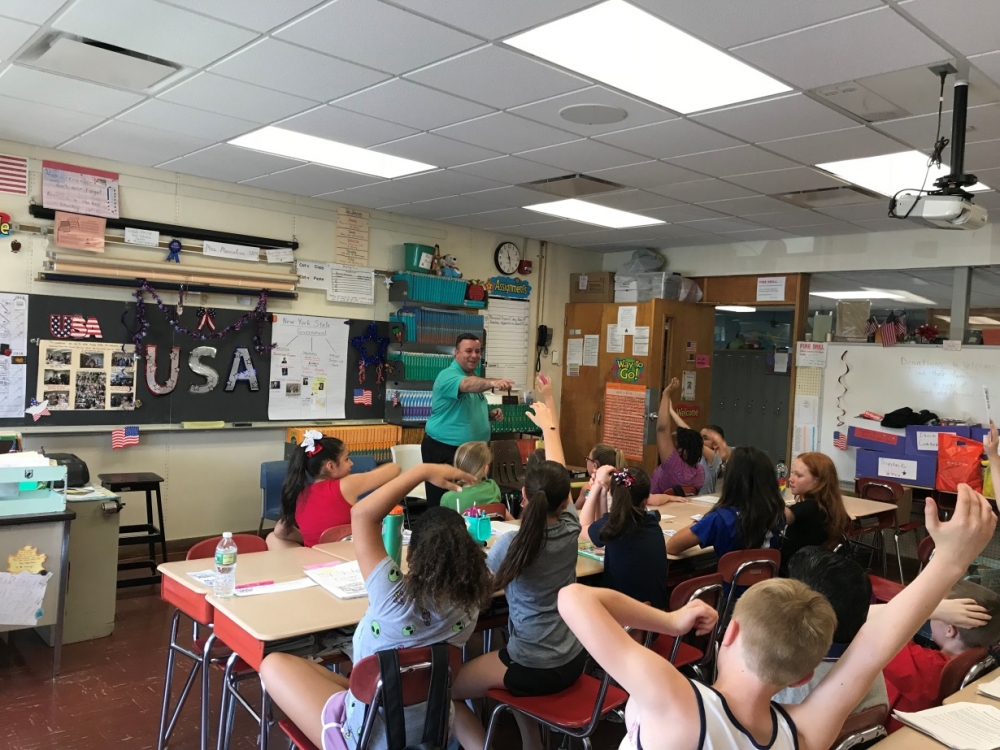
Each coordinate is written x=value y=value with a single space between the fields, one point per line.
x=859 y=212
x=124 y=141
x=441 y=208
x=601 y=236
x=507 y=217
x=511 y=170
x=514 y=196
x=757 y=204
x=156 y=113
x=786 y=180
x=155 y=29
x=259 y=15
x=789 y=217
x=669 y=139
x=491 y=19
x=919 y=132
x=971 y=27
x=436 y=150
x=631 y=200
x=560 y=228
x=366 y=197
x=284 y=67
x=827 y=230
x=41 y=124
x=646 y=174
x=80 y=96
x=229 y=163
x=345 y=127
x=885 y=224
x=15 y=33
x=505 y=132
x=785 y=117
x=914 y=91
x=32 y=11
x=981 y=155
x=639 y=113
x=498 y=77
x=758 y=235
x=989 y=64
x=701 y=191
x=311 y=179
x=727 y=24
x=844 y=50
x=855 y=143
x=736 y=160
x=727 y=224
x=225 y=96
x=396 y=41
x=582 y=156
x=677 y=214
x=442 y=183
x=411 y=104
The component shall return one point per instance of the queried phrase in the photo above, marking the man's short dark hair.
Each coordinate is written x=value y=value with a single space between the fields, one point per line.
x=466 y=337
x=841 y=581
x=716 y=428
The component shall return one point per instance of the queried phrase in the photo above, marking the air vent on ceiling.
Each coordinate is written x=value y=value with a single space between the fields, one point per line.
x=863 y=102
x=828 y=197
x=573 y=186
x=99 y=62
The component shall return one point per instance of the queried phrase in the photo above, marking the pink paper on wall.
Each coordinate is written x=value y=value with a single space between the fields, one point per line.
x=702 y=361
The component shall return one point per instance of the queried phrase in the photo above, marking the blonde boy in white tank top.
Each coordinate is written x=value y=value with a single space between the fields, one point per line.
x=780 y=631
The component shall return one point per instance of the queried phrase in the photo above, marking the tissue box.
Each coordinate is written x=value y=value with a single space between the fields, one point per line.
x=918 y=471
x=875 y=440
x=921 y=440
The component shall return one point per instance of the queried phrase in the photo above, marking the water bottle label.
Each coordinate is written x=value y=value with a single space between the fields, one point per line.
x=225 y=558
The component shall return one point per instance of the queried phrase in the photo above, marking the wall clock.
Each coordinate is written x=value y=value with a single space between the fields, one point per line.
x=507 y=258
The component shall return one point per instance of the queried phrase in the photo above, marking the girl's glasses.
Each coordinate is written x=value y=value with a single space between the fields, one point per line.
x=590 y=460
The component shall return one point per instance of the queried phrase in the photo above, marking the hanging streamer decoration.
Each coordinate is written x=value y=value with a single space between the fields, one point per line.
x=210 y=374
x=840 y=408
x=206 y=317
x=175 y=371
x=175 y=251
x=242 y=369
x=366 y=360
x=259 y=314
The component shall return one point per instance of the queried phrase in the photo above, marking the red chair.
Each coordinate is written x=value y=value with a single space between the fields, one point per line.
x=959 y=672
x=574 y=712
x=204 y=650
x=883 y=590
x=741 y=569
x=882 y=491
x=335 y=534
x=496 y=511
x=296 y=740
x=862 y=727
x=690 y=650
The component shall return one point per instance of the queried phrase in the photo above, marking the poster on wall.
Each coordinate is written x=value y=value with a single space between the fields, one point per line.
x=85 y=375
x=625 y=418
x=66 y=187
x=13 y=354
x=308 y=378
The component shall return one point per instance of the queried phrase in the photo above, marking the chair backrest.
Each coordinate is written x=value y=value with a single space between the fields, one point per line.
x=245 y=543
x=296 y=737
x=335 y=534
x=362 y=463
x=406 y=456
x=880 y=490
x=954 y=672
x=494 y=510
x=749 y=566
x=925 y=550
x=507 y=451
x=986 y=664
x=709 y=589
x=272 y=474
x=863 y=726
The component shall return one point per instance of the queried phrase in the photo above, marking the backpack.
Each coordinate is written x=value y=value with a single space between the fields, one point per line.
x=438 y=701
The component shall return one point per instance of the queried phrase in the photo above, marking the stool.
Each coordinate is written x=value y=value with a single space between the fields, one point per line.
x=141 y=533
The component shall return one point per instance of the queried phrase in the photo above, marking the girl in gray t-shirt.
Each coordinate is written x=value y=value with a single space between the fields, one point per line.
x=437 y=601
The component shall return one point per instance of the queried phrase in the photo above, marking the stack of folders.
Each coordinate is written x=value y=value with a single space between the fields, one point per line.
x=960 y=726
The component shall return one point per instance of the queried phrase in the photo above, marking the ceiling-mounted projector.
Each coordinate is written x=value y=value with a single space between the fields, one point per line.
x=939 y=211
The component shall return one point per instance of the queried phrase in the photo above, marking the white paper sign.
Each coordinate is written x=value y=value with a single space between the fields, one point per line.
x=897 y=468
x=21 y=596
x=803 y=438
x=313 y=274
x=583 y=282
x=616 y=342
x=280 y=255
x=810 y=354
x=355 y=286
x=927 y=441
x=640 y=342
x=952 y=345
x=771 y=289
x=806 y=410
x=147 y=237
x=67 y=187
x=781 y=361
x=626 y=289
x=233 y=252
x=308 y=378
x=626 y=320
x=591 y=350
x=574 y=352
x=688 y=380
x=14 y=333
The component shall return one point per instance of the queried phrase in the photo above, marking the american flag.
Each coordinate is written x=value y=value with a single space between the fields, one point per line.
x=901 y=324
x=871 y=326
x=82 y=329
x=840 y=440
x=124 y=436
x=13 y=175
x=890 y=334
x=362 y=397
x=37 y=410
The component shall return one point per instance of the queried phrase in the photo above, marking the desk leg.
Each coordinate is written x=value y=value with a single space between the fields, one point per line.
x=61 y=606
x=228 y=705
x=152 y=541
x=265 y=715
x=163 y=530
x=206 y=673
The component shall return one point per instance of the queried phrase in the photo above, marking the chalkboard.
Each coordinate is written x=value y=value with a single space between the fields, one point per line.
x=359 y=411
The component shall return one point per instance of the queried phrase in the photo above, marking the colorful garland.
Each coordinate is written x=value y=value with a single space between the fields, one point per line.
x=365 y=360
x=259 y=313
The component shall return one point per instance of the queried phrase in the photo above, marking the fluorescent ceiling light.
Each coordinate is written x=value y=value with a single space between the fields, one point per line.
x=974 y=320
x=591 y=213
x=890 y=173
x=867 y=294
x=294 y=145
x=735 y=308
x=634 y=51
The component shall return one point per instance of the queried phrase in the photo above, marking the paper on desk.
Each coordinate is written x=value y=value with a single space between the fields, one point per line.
x=962 y=726
x=669 y=532
x=204 y=577
x=697 y=517
x=250 y=589
x=666 y=517
x=705 y=499
x=342 y=579
x=21 y=596
x=499 y=528
x=990 y=689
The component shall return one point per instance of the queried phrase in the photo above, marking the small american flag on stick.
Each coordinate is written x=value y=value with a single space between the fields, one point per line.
x=362 y=397
x=124 y=437
x=840 y=441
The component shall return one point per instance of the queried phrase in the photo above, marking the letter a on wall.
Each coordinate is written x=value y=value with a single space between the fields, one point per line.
x=242 y=369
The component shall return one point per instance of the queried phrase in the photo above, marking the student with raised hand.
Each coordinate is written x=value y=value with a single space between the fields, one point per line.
x=437 y=601
x=680 y=451
x=818 y=516
x=714 y=452
x=600 y=455
x=635 y=557
x=532 y=565
x=749 y=513
x=319 y=490
x=779 y=633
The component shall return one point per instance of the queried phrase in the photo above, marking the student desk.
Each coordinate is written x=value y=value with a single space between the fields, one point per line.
x=860 y=508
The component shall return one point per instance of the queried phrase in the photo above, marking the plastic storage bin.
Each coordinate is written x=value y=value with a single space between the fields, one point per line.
x=418 y=258
x=435 y=289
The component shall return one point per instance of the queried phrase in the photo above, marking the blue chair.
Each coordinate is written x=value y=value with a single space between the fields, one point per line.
x=272 y=474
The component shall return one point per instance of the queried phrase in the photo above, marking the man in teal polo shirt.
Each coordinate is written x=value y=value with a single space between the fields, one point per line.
x=459 y=412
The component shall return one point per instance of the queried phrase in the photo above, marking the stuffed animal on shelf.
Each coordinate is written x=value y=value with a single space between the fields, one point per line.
x=449 y=267
x=435 y=269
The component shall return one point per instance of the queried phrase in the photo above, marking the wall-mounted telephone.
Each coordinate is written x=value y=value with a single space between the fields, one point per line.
x=543 y=340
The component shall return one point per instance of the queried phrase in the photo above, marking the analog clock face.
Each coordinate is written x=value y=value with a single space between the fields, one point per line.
x=507 y=258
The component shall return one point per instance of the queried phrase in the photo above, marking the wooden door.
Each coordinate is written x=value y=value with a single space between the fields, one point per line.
x=582 y=392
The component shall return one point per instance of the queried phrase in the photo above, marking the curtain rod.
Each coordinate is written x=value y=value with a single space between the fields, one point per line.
x=166 y=285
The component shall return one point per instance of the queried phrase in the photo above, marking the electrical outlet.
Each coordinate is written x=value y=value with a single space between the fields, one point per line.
x=555 y=356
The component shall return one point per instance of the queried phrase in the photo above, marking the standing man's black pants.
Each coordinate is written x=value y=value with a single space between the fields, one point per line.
x=435 y=452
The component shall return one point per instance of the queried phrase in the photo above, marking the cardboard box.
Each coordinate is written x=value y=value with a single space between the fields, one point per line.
x=600 y=287
x=921 y=440
x=916 y=471
x=875 y=440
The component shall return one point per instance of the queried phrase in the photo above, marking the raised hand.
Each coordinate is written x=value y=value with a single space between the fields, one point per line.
x=960 y=540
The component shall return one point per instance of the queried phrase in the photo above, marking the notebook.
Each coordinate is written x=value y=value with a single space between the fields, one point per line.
x=587 y=549
x=960 y=726
x=342 y=579
x=499 y=528
x=990 y=689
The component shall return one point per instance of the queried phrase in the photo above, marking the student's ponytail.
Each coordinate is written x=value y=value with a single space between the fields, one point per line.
x=629 y=492
x=607 y=455
x=547 y=486
x=307 y=461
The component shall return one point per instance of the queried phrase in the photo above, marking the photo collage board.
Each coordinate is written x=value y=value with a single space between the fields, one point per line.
x=86 y=375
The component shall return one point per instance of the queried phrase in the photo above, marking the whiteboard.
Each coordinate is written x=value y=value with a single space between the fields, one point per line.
x=308 y=377
x=883 y=379
x=506 y=324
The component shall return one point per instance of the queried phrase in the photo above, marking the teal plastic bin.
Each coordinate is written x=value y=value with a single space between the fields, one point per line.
x=418 y=258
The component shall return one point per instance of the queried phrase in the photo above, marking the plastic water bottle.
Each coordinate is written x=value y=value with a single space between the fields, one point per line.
x=225 y=567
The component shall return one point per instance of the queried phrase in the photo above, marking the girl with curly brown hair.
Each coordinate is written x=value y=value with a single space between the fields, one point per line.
x=438 y=600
